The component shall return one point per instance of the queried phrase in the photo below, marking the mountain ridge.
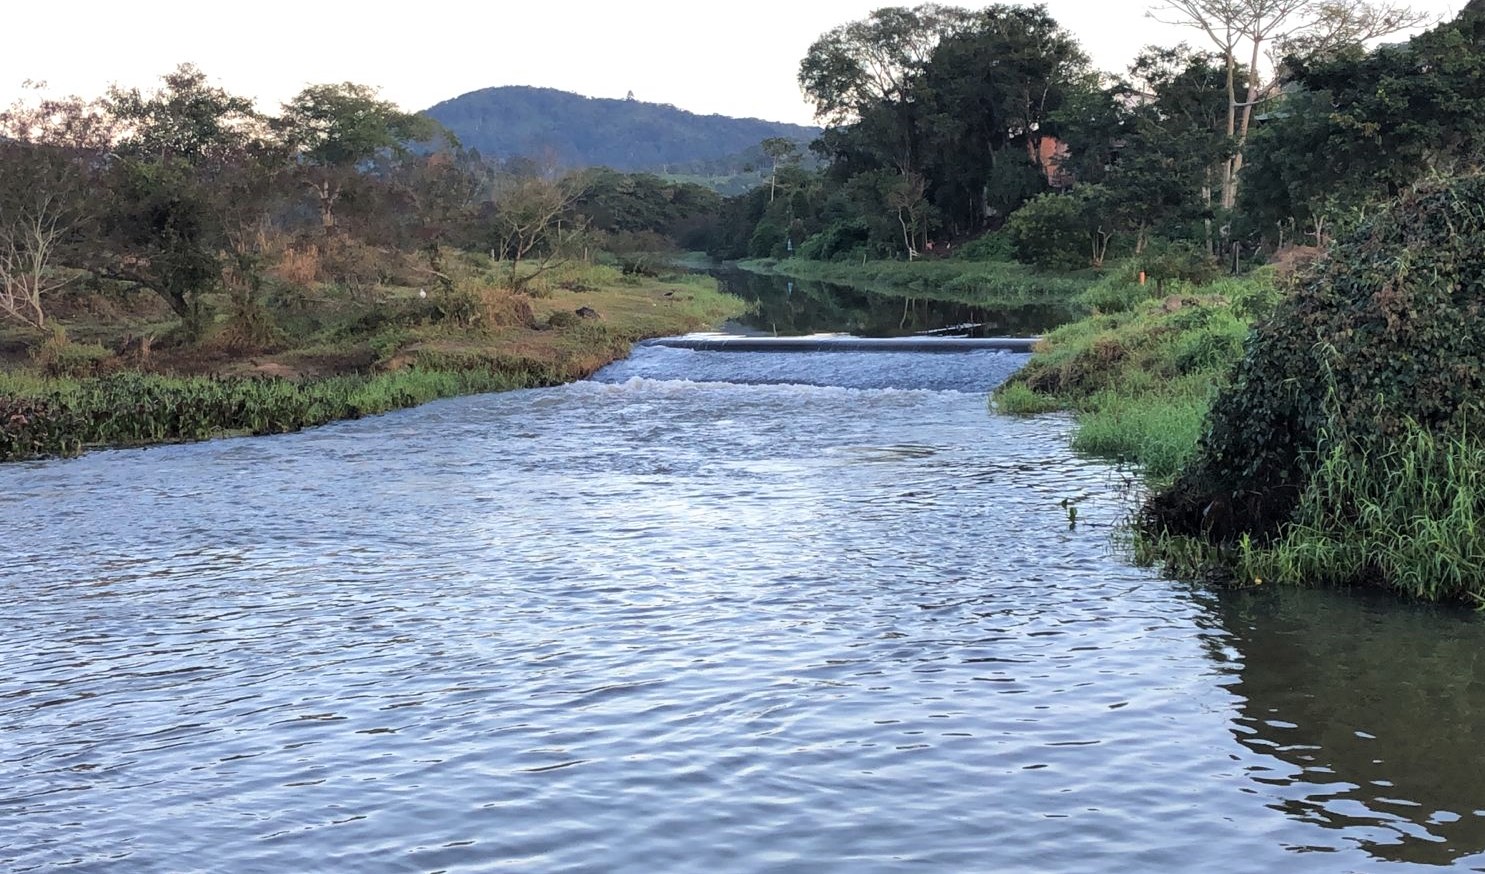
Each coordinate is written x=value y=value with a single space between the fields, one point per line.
x=573 y=130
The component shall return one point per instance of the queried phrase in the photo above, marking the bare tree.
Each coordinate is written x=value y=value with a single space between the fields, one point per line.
x=1245 y=32
x=906 y=198
x=527 y=224
x=48 y=147
x=29 y=237
x=780 y=150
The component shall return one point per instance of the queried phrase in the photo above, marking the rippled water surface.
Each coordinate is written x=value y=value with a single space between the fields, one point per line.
x=711 y=612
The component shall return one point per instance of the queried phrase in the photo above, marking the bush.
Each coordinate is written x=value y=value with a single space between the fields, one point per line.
x=1051 y=232
x=995 y=246
x=563 y=319
x=1118 y=290
x=58 y=356
x=1383 y=337
x=1178 y=260
x=485 y=308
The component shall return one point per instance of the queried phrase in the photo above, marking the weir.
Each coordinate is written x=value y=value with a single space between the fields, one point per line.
x=843 y=343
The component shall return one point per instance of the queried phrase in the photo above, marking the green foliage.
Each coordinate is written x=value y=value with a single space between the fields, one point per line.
x=135 y=409
x=1355 y=129
x=1158 y=432
x=1141 y=375
x=341 y=125
x=59 y=356
x=976 y=282
x=1018 y=400
x=1380 y=338
x=994 y=246
x=1060 y=231
x=1117 y=290
x=186 y=119
x=1179 y=260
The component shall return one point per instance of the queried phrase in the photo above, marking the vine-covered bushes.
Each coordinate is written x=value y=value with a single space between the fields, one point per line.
x=1382 y=340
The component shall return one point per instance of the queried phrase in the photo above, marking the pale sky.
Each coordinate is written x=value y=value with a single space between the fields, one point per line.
x=730 y=58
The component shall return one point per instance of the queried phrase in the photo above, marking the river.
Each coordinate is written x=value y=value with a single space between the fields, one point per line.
x=709 y=611
x=785 y=306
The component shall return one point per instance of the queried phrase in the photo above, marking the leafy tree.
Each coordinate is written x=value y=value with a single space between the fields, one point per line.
x=335 y=128
x=1243 y=30
x=989 y=91
x=1065 y=231
x=186 y=119
x=868 y=69
x=1356 y=130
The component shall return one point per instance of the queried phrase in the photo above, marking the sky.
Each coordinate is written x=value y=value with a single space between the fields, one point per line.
x=735 y=59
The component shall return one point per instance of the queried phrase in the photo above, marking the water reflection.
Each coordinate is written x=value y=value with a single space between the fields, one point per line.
x=1365 y=716
x=787 y=306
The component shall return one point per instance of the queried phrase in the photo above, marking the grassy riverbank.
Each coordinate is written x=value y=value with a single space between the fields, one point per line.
x=336 y=354
x=1321 y=430
x=1140 y=371
x=983 y=283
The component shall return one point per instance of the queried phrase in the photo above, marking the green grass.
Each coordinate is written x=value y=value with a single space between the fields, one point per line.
x=1158 y=432
x=1141 y=374
x=67 y=416
x=1408 y=520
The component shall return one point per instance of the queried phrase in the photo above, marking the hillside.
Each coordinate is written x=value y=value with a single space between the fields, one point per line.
x=579 y=131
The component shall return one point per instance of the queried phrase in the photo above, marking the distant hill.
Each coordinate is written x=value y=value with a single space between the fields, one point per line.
x=580 y=131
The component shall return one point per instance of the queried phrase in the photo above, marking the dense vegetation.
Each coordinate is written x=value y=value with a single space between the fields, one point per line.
x=573 y=131
x=174 y=264
x=948 y=126
x=1366 y=384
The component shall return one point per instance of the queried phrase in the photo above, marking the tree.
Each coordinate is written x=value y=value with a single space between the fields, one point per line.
x=47 y=176
x=31 y=230
x=988 y=92
x=905 y=198
x=1357 y=130
x=525 y=221
x=187 y=119
x=335 y=128
x=1243 y=30
x=869 y=67
x=780 y=150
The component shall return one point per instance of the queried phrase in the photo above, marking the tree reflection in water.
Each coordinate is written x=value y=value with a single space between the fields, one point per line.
x=787 y=307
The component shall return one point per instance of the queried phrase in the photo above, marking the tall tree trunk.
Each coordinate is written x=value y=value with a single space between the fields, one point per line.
x=1229 y=168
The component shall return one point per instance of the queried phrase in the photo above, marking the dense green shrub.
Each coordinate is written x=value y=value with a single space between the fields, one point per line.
x=1051 y=232
x=1383 y=336
x=995 y=246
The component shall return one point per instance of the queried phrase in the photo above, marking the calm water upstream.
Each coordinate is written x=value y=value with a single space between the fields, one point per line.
x=710 y=612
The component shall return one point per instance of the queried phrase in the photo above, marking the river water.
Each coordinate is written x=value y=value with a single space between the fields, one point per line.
x=707 y=612
x=784 y=306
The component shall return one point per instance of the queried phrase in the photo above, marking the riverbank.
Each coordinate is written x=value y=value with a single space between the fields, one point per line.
x=1316 y=429
x=331 y=357
x=1140 y=371
x=982 y=283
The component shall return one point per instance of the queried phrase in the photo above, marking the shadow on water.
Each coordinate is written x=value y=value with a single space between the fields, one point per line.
x=785 y=307
x=1365 y=715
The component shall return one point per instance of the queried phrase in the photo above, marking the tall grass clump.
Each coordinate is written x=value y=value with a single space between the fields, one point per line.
x=1157 y=432
x=1408 y=519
